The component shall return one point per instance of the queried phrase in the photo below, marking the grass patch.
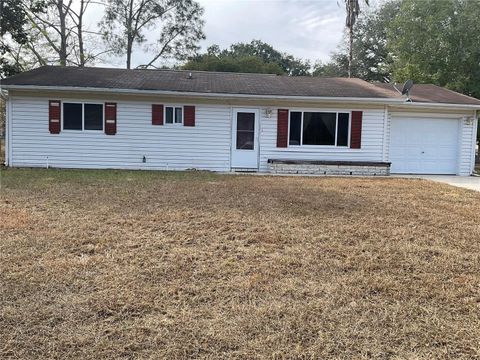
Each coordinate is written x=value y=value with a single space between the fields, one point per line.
x=133 y=264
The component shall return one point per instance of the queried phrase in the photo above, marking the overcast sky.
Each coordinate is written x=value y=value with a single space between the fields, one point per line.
x=305 y=28
x=309 y=29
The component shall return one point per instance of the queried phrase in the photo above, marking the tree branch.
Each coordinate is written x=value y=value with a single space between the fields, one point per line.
x=163 y=48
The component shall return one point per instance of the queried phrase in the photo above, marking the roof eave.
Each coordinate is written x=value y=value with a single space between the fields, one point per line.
x=203 y=94
x=383 y=101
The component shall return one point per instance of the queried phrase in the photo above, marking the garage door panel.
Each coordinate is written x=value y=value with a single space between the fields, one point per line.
x=424 y=145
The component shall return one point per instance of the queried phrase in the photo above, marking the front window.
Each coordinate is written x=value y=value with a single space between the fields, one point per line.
x=82 y=116
x=319 y=128
x=173 y=114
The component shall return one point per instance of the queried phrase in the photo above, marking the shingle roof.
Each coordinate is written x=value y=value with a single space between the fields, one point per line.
x=434 y=94
x=225 y=83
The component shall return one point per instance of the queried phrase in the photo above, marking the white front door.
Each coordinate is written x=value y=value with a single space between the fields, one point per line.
x=424 y=145
x=245 y=146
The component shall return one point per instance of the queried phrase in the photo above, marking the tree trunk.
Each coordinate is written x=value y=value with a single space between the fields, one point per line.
x=63 y=33
x=350 y=51
x=130 y=34
x=81 y=49
x=129 y=53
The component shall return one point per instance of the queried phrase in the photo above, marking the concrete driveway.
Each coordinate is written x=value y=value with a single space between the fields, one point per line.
x=467 y=182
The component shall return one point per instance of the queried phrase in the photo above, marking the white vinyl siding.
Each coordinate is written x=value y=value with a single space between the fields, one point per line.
x=467 y=141
x=204 y=146
x=372 y=140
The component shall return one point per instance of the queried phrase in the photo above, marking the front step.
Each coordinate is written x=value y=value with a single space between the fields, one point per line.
x=244 y=170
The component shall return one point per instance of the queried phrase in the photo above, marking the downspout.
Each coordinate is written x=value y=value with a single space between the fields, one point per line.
x=6 y=135
x=386 y=139
x=475 y=130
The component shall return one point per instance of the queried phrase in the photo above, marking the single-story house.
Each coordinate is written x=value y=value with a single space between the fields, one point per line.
x=70 y=117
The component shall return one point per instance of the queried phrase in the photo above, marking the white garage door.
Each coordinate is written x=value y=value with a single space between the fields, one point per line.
x=424 y=145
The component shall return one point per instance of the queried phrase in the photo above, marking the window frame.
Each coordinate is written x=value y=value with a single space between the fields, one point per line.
x=303 y=111
x=173 y=106
x=63 y=102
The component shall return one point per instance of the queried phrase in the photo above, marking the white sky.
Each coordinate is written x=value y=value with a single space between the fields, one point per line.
x=305 y=28
x=309 y=29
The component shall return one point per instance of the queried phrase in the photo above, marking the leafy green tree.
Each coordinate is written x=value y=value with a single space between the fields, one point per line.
x=336 y=67
x=254 y=57
x=245 y=64
x=372 y=60
x=289 y=64
x=437 y=42
x=177 y=23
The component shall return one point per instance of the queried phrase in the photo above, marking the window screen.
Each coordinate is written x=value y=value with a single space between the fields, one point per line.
x=72 y=116
x=93 y=116
x=342 y=136
x=245 y=131
x=169 y=115
x=178 y=115
x=295 y=127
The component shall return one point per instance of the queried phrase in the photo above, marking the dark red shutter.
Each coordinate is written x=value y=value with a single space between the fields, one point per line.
x=110 y=118
x=189 y=115
x=356 y=131
x=157 y=114
x=282 y=128
x=54 y=116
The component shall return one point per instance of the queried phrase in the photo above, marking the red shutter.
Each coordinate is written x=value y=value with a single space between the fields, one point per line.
x=282 y=128
x=189 y=115
x=157 y=114
x=110 y=118
x=356 y=131
x=54 y=116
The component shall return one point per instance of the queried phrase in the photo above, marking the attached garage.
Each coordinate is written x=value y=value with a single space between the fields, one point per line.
x=424 y=145
x=219 y=121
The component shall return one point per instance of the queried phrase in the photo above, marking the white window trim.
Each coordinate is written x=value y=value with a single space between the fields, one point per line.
x=336 y=130
x=165 y=114
x=83 y=116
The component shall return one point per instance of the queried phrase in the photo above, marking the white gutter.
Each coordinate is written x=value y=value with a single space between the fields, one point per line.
x=439 y=105
x=385 y=101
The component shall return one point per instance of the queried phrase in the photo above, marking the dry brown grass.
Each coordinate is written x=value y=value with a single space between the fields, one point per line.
x=194 y=265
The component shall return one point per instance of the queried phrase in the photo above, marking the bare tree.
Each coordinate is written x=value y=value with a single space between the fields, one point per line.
x=54 y=33
x=177 y=23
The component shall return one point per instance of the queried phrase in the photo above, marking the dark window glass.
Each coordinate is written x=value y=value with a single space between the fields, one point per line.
x=93 y=116
x=178 y=115
x=295 y=127
x=342 y=136
x=245 y=131
x=169 y=115
x=72 y=116
x=319 y=128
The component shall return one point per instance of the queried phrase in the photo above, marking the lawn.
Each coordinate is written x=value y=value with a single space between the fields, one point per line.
x=122 y=265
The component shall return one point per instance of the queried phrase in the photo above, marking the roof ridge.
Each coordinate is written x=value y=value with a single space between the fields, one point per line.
x=158 y=70
x=205 y=72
